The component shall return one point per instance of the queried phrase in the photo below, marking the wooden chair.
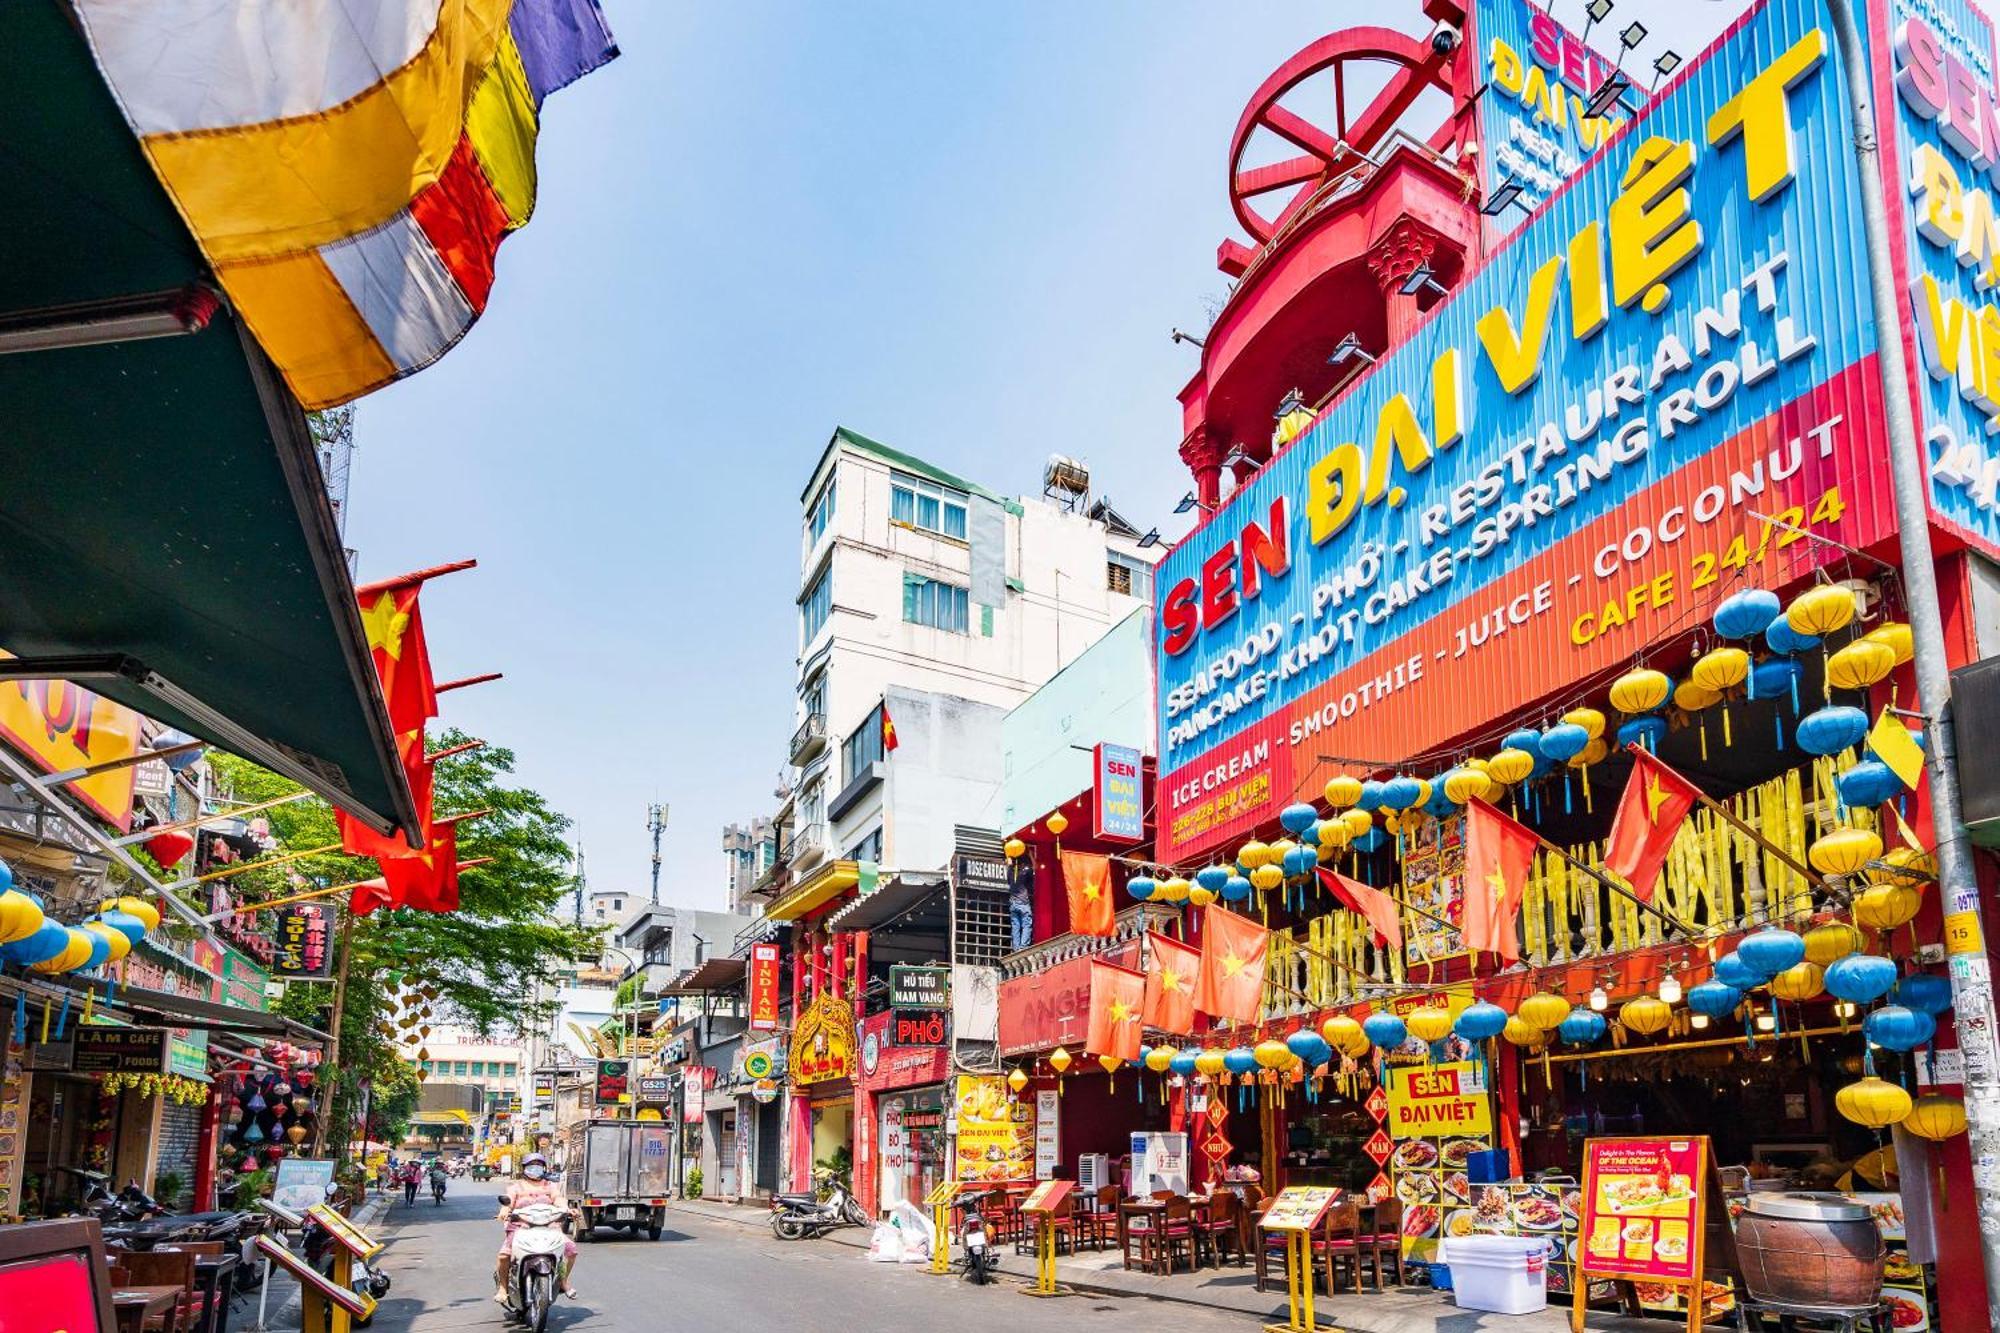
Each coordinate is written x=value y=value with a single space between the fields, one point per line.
x=1340 y=1242
x=1099 y=1224
x=1388 y=1240
x=1222 y=1226
x=1177 y=1234
x=1135 y=1226
x=206 y=1249
x=168 y=1268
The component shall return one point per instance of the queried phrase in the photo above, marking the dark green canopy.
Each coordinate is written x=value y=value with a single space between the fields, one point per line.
x=165 y=535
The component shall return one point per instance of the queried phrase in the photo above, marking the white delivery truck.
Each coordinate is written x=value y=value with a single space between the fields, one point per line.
x=617 y=1174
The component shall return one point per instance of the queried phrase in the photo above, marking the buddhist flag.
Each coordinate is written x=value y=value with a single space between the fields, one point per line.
x=1892 y=743
x=1117 y=1004
x=1170 y=983
x=1087 y=878
x=889 y=741
x=1230 y=982
x=1379 y=909
x=1650 y=815
x=1498 y=856
x=348 y=167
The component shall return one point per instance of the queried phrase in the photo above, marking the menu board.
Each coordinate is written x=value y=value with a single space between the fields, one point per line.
x=1433 y=886
x=1298 y=1208
x=1429 y=1177
x=1643 y=1205
x=1051 y=1196
x=996 y=1133
x=1545 y=1208
x=1904 y=1290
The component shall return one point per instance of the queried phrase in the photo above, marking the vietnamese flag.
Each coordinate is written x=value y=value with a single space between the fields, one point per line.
x=1650 y=814
x=1170 y=983
x=1087 y=879
x=426 y=880
x=889 y=741
x=1117 y=1002
x=357 y=839
x=395 y=629
x=1230 y=982
x=1380 y=910
x=1499 y=853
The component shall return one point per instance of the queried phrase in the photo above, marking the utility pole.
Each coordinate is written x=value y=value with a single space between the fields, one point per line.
x=656 y=821
x=1971 y=972
x=581 y=880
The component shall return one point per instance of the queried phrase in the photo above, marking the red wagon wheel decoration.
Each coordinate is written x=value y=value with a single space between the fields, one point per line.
x=1354 y=56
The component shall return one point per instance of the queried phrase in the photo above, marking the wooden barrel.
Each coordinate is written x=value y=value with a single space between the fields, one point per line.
x=1810 y=1251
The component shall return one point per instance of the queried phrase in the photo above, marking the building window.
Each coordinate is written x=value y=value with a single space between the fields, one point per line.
x=458 y=1068
x=868 y=849
x=816 y=606
x=939 y=605
x=479 y=1069
x=1124 y=574
x=821 y=515
x=917 y=503
x=510 y=1069
x=862 y=748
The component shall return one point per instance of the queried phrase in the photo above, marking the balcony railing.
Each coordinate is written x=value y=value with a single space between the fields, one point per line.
x=805 y=841
x=1130 y=924
x=809 y=739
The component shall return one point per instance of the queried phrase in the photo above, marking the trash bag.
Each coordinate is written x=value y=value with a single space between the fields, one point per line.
x=916 y=1230
x=885 y=1245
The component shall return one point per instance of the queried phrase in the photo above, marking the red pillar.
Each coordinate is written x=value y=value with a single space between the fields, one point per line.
x=1203 y=451
x=862 y=1130
x=203 y=1197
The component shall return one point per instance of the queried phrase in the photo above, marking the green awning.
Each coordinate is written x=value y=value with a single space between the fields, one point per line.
x=165 y=535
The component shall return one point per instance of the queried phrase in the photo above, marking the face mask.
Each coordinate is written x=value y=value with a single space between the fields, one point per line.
x=534 y=1173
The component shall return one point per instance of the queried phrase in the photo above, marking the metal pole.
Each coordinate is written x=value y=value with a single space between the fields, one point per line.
x=1971 y=973
x=330 y=1067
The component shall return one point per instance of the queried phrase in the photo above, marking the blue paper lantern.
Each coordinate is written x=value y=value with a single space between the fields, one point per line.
x=1212 y=878
x=1385 y=1030
x=1642 y=731
x=1745 y=614
x=1143 y=1051
x=1142 y=887
x=1311 y=1048
x=1860 y=977
x=100 y=952
x=6 y=876
x=1831 y=730
x=1235 y=889
x=46 y=943
x=1898 y=1029
x=1527 y=738
x=1298 y=818
x=1371 y=796
x=1440 y=805
x=1370 y=841
x=1869 y=783
x=1239 y=1060
x=1924 y=992
x=1583 y=1026
x=1714 y=998
x=1783 y=639
x=1480 y=1020
x=1301 y=861
x=1400 y=793
x=1564 y=741
x=1770 y=951
x=131 y=927
x=1733 y=972
x=1776 y=678
x=1183 y=1062
x=1543 y=764
x=1309 y=835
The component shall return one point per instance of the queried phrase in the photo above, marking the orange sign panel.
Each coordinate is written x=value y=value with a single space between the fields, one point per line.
x=61 y=727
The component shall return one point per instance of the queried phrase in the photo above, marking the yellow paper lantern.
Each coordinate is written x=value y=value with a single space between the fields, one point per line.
x=1831 y=940
x=1208 y=1062
x=1720 y=669
x=1510 y=766
x=1424 y=790
x=1017 y=1080
x=1802 y=981
x=1199 y=896
x=114 y=939
x=1267 y=877
x=1913 y=864
x=1887 y=906
x=1593 y=753
x=1280 y=849
x=1358 y=822
x=20 y=916
x=1332 y=834
x=1109 y=1063
x=1860 y=664
x=1345 y=1035
x=1496 y=791
x=1545 y=1010
x=1818 y=612
x=1520 y=1032
x=1160 y=1058
x=1589 y=719
x=1173 y=890
x=1645 y=1014
x=1640 y=691
x=1252 y=854
x=1430 y=1023
x=1844 y=851
x=1015 y=849
x=1272 y=1054
x=1342 y=791
x=1690 y=697
x=1060 y=1060
x=1896 y=638
x=1935 y=1116
x=1462 y=784
x=74 y=955
x=1872 y=1102
x=141 y=908
x=1057 y=823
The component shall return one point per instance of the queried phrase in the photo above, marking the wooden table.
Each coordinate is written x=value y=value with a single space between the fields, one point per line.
x=133 y=1306
x=215 y=1275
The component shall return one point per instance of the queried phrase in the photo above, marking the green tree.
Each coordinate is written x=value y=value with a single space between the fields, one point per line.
x=483 y=963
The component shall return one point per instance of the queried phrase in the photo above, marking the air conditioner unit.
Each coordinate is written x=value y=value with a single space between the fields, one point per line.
x=1093 y=1172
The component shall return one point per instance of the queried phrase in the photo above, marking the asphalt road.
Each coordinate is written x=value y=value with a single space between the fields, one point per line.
x=717 y=1275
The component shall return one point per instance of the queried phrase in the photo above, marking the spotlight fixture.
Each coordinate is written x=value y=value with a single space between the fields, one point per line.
x=1180 y=337
x=1421 y=276
x=1599 y=10
x=122 y=319
x=1845 y=1009
x=1608 y=93
x=1151 y=539
x=1766 y=1023
x=1503 y=198
x=1698 y=1022
x=1187 y=502
x=1666 y=64
x=1634 y=34
x=1347 y=349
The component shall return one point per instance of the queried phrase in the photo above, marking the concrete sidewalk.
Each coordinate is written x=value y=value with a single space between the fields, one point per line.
x=1396 y=1310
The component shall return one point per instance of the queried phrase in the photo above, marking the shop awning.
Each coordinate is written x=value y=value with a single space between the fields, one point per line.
x=714 y=975
x=165 y=534
x=165 y=1009
x=816 y=890
x=441 y=1118
x=892 y=899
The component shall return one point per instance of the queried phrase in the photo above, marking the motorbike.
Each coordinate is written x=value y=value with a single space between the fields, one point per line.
x=134 y=1220
x=535 y=1258
x=980 y=1258
x=437 y=1190
x=807 y=1216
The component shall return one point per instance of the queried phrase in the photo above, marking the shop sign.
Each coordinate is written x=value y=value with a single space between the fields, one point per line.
x=986 y=873
x=1050 y=1197
x=765 y=1091
x=759 y=1064
x=613 y=1082
x=187 y=1053
x=1117 y=796
x=60 y=727
x=109 y=1050
x=1379 y=1146
x=764 y=986
x=655 y=1089
x=996 y=1133
x=302 y=941
x=1377 y=1104
x=1437 y=1100
x=1566 y=460
x=898 y=1066
x=545 y=1091
x=1052 y=1008
x=1048 y=1132
x=823 y=1045
x=919 y=987
x=1644 y=1203
x=919 y=1027
x=244 y=983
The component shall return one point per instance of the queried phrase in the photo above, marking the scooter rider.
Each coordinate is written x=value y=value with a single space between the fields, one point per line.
x=534 y=1186
x=437 y=1176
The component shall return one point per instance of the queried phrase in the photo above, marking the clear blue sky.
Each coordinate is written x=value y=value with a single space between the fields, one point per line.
x=964 y=230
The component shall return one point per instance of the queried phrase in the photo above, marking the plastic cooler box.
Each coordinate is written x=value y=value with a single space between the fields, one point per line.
x=1501 y=1274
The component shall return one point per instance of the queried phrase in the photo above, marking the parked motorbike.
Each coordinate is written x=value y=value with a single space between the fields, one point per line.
x=807 y=1216
x=535 y=1258
x=980 y=1257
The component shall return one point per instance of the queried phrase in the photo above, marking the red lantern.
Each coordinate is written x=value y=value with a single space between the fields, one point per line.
x=170 y=847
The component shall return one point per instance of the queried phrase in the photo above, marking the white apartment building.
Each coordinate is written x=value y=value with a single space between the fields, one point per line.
x=949 y=604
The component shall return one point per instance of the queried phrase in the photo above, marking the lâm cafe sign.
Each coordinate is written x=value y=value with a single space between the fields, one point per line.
x=1560 y=465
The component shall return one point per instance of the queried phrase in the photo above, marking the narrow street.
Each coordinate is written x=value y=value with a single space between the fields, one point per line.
x=710 y=1274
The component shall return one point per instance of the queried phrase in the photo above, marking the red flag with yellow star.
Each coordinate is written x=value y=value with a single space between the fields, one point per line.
x=889 y=741
x=1379 y=909
x=426 y=880
x=1650 y=814
x=1230 y=981
x=357 y=839
x=1170 y=983
x=1087 y=878
x=1499 y=853
x=1117 y=1005
x=395 y=629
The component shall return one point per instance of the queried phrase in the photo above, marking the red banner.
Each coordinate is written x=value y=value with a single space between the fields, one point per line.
x=764 y=986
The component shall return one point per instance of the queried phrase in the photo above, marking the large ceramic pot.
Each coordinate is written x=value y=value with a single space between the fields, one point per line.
x=1810 y=1251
